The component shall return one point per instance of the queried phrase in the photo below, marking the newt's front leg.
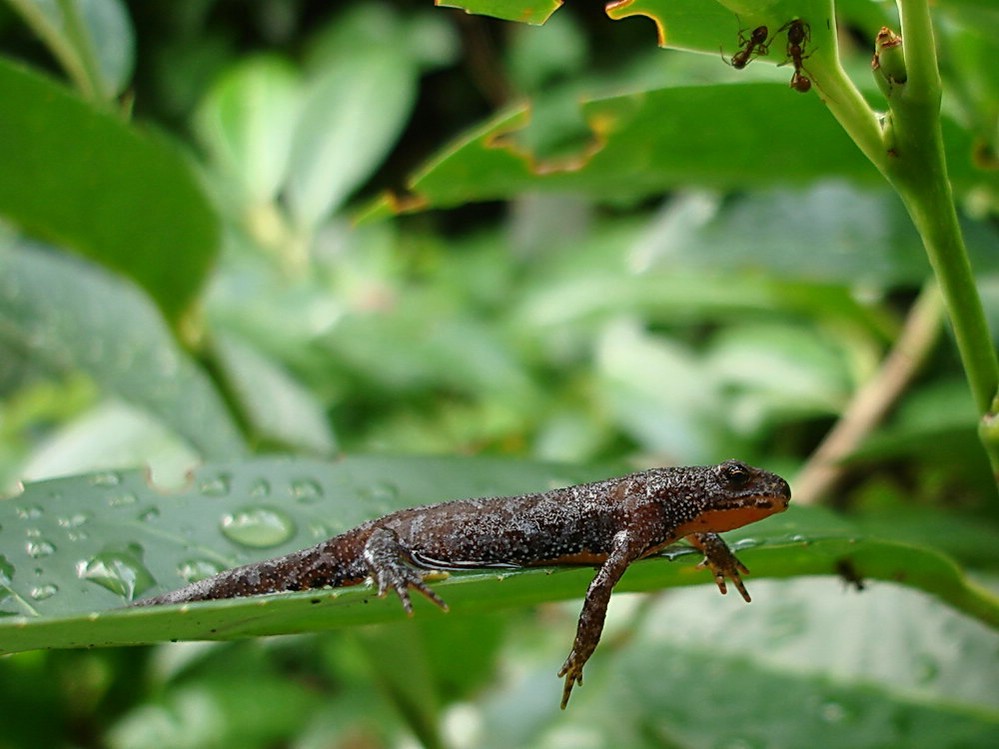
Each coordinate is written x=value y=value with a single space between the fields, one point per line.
x=721 y=561
x=591 y=619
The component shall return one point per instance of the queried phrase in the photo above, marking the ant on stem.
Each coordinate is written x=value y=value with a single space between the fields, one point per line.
x=755 y=44
x=798 y=34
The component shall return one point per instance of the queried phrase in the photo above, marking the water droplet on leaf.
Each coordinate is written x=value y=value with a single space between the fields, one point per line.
x=39 y=547
x=73 y=521
x=6 y=571
x=217 y=486
x=150 y=515
x=928 y=669
x=259 y=527
x=108 y=478
x=832 y=711
x=306 y=490
x=121 y=572
x=193 y=570
x=124 y=499
x=41 y=592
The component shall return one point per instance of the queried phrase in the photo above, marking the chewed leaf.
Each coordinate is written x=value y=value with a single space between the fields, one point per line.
x=525 y=11
x=642 y=144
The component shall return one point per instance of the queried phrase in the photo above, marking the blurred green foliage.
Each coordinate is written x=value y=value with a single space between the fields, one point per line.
x=608 y=254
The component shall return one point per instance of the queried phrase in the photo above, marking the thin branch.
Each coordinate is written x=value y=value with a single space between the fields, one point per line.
x=874 y=399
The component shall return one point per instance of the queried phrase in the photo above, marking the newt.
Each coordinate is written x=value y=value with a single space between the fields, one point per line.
x=607 y=524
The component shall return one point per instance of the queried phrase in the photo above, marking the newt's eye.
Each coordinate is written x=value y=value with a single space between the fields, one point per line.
x=734 y=473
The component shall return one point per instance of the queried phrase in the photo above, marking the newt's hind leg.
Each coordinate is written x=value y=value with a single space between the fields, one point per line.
x=385 y=558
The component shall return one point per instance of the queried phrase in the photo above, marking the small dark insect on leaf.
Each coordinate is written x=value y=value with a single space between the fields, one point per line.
x=799 y=33
x=756 y=44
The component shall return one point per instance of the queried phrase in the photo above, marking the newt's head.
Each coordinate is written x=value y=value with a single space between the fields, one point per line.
x=738 y=494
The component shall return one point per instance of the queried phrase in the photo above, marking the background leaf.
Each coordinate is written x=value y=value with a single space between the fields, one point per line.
x=246 y=124
x=353 y=114
x=92 y=39
x=89 y=182
x=60 y=314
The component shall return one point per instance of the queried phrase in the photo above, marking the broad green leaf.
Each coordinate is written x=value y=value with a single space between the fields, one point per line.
x=280 y=409
x=759 y=374
x=111 y=435
x=77 y=549
x=61 y=315
x=593 y=290
x=645 y=143
x=831 y=232
x=91 y=183
x=735 y=137
x=421 y=346
x=671 y=415
x=768 y=371
x=648 y=142
x=710 y=26
x=352 y=115
x=524 y=11
x=885 y=666
x=426 y=37
x=212 y=711
x=933 y=428
x=400 y=661
x=246 y=124
x=877 y=668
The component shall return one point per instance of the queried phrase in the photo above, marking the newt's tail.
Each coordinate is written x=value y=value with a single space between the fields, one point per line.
x=307 y=569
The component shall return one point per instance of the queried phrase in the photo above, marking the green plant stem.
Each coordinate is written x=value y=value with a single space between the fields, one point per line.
x=907 y=148
x=918 y=170
x=848 y=106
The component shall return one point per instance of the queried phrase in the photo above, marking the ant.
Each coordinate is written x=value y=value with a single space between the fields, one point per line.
x=755 y=44
x=799 y=33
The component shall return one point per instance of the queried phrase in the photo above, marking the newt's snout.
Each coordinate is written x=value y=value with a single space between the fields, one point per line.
x=782 y=490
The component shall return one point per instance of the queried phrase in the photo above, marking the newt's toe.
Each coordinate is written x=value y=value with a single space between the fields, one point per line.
x=573 y=674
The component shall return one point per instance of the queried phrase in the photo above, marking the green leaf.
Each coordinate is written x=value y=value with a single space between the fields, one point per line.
x=61 y=315
x=110 y=435
x=247 y=122
x=524 y=11
x=352 y=115
x=76 y=549
x=89 y=182
x=111 y=40
x=721 y=136
x=710 y=26
x=92 y=39
x=280 y=409
x=926 y=679
x=399 y=659
x=881 y=667
x=426 y=37
x=216 y=711
x=648 y=142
